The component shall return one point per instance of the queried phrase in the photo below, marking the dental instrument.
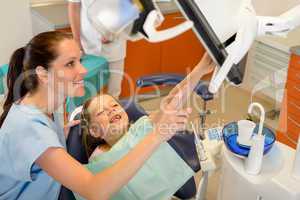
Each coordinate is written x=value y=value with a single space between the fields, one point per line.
x=206 y=162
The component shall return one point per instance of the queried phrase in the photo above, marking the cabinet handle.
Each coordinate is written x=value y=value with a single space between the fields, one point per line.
x=179 y=18
x=295 y=105
x=292 y=120
x=297 y=88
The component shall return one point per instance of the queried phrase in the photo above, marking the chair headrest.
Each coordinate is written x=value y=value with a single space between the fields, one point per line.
x=75 y=113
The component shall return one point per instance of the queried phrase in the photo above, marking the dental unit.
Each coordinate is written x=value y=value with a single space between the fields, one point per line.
x=268 y=170
x=259 y=167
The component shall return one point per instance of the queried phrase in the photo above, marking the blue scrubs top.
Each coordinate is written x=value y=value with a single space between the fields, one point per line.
x=25 y=134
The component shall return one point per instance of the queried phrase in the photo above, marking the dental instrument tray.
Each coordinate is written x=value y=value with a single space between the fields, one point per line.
x=230 y=134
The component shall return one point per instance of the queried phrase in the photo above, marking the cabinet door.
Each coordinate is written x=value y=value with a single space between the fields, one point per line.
x=180 y=54
x=289 y=124
x=143 y=58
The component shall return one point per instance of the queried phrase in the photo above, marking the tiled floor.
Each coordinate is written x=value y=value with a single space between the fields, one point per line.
x=231 y=106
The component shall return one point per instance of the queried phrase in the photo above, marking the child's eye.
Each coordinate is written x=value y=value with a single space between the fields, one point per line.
x=100 y=113
x=115 y=105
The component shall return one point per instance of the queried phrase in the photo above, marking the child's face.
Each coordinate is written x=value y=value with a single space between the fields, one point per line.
x=108 y=119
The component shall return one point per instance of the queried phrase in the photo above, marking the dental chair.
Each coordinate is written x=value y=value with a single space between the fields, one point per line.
x=183 y=144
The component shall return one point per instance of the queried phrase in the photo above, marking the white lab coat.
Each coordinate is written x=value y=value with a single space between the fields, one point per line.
x=91 y=39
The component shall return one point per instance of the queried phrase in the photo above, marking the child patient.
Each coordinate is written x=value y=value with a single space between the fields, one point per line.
x=107 y=133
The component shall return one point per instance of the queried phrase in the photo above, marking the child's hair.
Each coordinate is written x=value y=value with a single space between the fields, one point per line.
x=89 y=142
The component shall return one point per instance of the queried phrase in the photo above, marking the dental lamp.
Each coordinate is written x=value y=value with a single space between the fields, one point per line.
x=138 y=18
x=228 y=33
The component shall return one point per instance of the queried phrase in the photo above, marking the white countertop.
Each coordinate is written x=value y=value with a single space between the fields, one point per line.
x=283 y=43
x=56 y=12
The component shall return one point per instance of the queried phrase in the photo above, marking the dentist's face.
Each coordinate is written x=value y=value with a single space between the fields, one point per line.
x=108 y=119
x=66 y=74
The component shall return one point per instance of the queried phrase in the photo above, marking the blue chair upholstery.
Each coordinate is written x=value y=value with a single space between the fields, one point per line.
x=173 y=79
x=183 y=144
x=159 y=79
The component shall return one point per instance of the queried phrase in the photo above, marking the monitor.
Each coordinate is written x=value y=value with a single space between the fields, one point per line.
x=215 y=25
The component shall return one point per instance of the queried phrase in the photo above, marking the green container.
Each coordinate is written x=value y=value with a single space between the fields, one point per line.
x=3 y=73
x=96 y=78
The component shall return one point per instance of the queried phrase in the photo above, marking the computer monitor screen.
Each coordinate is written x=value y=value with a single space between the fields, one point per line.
x=215 y=25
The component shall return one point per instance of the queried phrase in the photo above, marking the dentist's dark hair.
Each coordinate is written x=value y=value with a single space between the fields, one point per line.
x=21 y=76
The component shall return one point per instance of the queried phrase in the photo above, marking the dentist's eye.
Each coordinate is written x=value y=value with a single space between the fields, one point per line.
x=70 y=64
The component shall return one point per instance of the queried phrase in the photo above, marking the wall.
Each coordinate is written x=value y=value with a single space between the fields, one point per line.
x=16 y=28
x=273 y=7
x=41 y=2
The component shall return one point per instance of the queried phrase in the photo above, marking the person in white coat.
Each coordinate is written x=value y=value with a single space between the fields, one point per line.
x=92 y=42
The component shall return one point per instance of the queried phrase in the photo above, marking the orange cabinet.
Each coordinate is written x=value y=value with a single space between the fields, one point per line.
x=142 y=58
x=289 y=127
x=178 y=55
x=182 y=53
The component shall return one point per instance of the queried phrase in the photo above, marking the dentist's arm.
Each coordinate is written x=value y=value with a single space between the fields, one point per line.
x=74 y=9
x=58 y=164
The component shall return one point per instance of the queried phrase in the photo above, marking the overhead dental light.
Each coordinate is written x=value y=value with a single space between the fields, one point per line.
x=227 y=30
x=142 y=17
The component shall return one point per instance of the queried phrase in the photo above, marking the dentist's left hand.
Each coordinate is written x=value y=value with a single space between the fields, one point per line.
x=69 y=125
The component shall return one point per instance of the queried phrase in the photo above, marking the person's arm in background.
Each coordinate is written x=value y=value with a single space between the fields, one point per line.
x=74 y=9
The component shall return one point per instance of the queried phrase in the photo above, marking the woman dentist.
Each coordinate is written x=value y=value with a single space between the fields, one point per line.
x=34 y=160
